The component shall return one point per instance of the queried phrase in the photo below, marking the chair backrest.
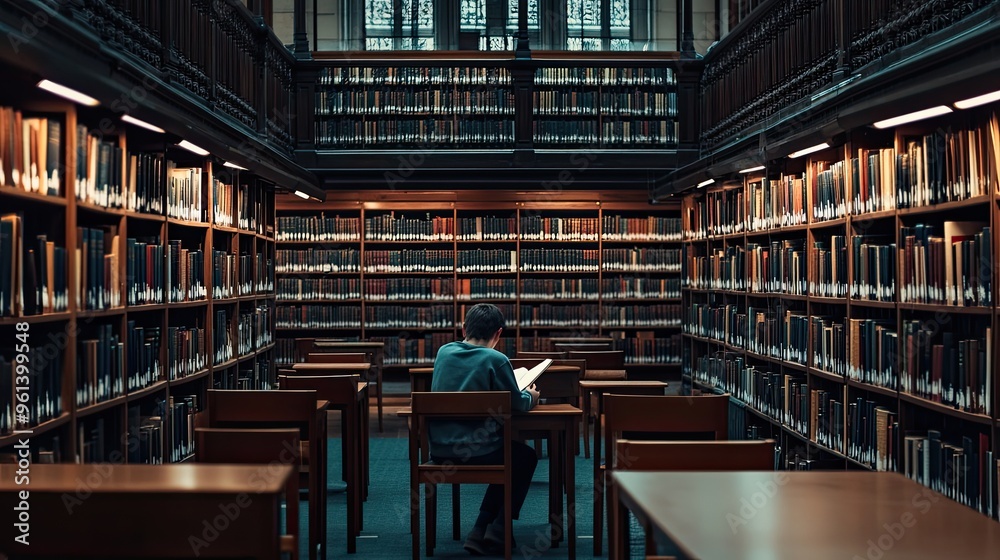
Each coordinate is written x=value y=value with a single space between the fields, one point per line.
x=337 y=358
x=541 y=355
x=262 y=409
x=755 y=455
x=487 y=406
x=600 y=359
x=338 y=389
x=556 y=386
x=665 y=414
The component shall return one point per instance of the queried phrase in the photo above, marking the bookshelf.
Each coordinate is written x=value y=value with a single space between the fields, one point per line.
x=136 y=277
x=846 y=300
x=557 y=264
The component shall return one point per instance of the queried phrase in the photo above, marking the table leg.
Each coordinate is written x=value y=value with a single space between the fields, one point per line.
x=598 y=480
x=570 y=482
x=586 y=423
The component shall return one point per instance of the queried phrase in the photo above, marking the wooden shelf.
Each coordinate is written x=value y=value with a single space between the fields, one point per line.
x=892 y=393
x=936 y=308
x=410 y=242
x=145 y=391
x=189 y=378
x=828 y=300
x=872 y=303
x=188 y=304
x=101 y=210
x=826 y=375
x=324 y=242
x=33 y=319
x=778 y=295
x=21 y=194
x=945 y=409
x=836 y=222
x=478 y=273
x=188 y=223
x=266 y=348
x=945 y=206
x=146 y=307
x=873 y=216
x=87 y=410
x=36 y=431
x=98 y=314
x=322 y=301
x=145 y=217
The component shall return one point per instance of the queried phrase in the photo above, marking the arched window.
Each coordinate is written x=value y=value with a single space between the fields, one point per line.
x=399 y=25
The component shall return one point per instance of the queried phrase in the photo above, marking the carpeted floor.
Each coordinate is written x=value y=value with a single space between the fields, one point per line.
x=386 y=516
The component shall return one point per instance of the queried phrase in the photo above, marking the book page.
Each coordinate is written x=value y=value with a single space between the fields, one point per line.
x=525 y=377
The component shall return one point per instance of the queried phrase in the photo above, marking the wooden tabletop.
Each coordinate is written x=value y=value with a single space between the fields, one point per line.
x=815 y=515
x=361 y=366
x=612 y=383
x=348 y=344
x=150 y=479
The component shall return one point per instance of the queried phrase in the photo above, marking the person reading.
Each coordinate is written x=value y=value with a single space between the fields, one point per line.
x=474 y=365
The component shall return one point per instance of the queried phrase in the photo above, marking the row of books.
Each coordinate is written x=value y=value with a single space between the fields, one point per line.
x=187 y=351
x=29 y=152
x=146 y=435
x=874 y=276
x=318 y=228
x=100 y=368
x=553 y=288
x=223 y=211
x=955 y=268
x=186 y=272
x=647 y=348
x=546 y=315
x=828 y=268
x=185 y=197
x=649 y=228
x=776 y=332
x=223 y=347
x=253 y=375
x=486 y=260
x=964 y=470
x=395 y=316
x=143 y=356
x=423 y=260
x=620 y=76
x=182 y=412
x=389 y=227
x=253 y=331
x=775 y=203
x=534 y=227
x=646 y=315
x=413 y=75
x=441 y=99
x=952 y=368
x=633 y=132
x=333 y=289
x=317 y=260
x=780 y=268
x=143 y=271
x=414 y=350
x=97 y=270
x=252 y=209
x=388 y=289
x=33 y=276
x=224 y=284
x=34 y=382
x=487 y=228
x=642 y=260
x=358 y=132
x=317 y=316
x=579 y=103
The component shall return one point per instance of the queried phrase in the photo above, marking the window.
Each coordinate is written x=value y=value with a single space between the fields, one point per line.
x=477 y=21
x=598 y=25
x=399 y=25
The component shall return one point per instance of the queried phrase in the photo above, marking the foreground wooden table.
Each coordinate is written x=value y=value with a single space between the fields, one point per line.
x=816 y=515
x=147 y=511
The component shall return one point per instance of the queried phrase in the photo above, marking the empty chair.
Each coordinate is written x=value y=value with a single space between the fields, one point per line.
x=707 y=416
x=264 y=447
x=602 y=364
x=678 y=456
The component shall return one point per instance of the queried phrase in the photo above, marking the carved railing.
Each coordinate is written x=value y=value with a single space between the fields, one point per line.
x=216 y=49
x=787 y=50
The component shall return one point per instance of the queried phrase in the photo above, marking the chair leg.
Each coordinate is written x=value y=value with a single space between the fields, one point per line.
x=456 y=512
x=378 y=398
x=430 y=523
x=414 y=516
x=599 y=514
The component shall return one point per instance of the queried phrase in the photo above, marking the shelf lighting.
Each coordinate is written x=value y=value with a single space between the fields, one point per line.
x=705 y=183
x=911 y=117
x=301 y=194
x=143 y=124
x=752 y=169
x=977 y=101
x=191 y=147
x=71 y=94
x=807 y=151
x=233 y=166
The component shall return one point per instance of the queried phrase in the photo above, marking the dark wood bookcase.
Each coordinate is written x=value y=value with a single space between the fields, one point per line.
x=403 y=268
x=119 y=378
x=846 y=345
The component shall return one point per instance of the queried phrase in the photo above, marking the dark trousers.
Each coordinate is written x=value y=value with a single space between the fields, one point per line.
x=522 y=469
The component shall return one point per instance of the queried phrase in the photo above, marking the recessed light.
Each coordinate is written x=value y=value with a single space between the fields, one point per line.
x=143 y=124
x=806 y=151
x=705 y=183
x=233 y=166
x=977 y=101
x=301 y=194
x=191 y=147
x=752 y=169
x=916 y=116
x=68 y=93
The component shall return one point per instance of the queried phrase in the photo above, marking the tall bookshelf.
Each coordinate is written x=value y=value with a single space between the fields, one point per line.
x=134 y=320
x=846 y=301
x=403 y=270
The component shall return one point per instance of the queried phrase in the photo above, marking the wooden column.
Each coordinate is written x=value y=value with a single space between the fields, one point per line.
x=301 y=39
x=687 y=32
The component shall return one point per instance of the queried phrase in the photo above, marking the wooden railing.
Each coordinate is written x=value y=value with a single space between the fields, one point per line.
x=787 y=50
x=216 y=49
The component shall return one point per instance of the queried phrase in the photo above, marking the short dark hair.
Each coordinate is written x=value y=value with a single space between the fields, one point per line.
x=483 y=320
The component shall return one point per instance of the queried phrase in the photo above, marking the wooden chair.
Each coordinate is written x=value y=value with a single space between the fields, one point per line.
x=301 y=410
x=584 y=346
x=337 y=358
x=610 y=361
x=482 y=406
x=708 y=415
x=678 y=456
x=341 y=391
x=375 y=352
x=264 y=447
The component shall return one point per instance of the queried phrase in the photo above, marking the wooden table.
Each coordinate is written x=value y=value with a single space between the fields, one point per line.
x=420 y=377
x=794 y=515
x=377 y=352
x=148 y=511
x=560 y=419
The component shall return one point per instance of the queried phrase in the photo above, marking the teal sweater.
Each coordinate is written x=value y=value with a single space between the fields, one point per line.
x=460 y=366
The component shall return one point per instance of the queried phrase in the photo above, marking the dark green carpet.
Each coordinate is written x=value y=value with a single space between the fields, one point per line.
x=386 y=514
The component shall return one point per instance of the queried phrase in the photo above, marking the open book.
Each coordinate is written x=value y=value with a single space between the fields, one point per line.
x=525 y=377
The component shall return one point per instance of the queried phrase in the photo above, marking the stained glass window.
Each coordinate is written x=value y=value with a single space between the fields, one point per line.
x=532 y=14
x=473 y=14
x=588 y=30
